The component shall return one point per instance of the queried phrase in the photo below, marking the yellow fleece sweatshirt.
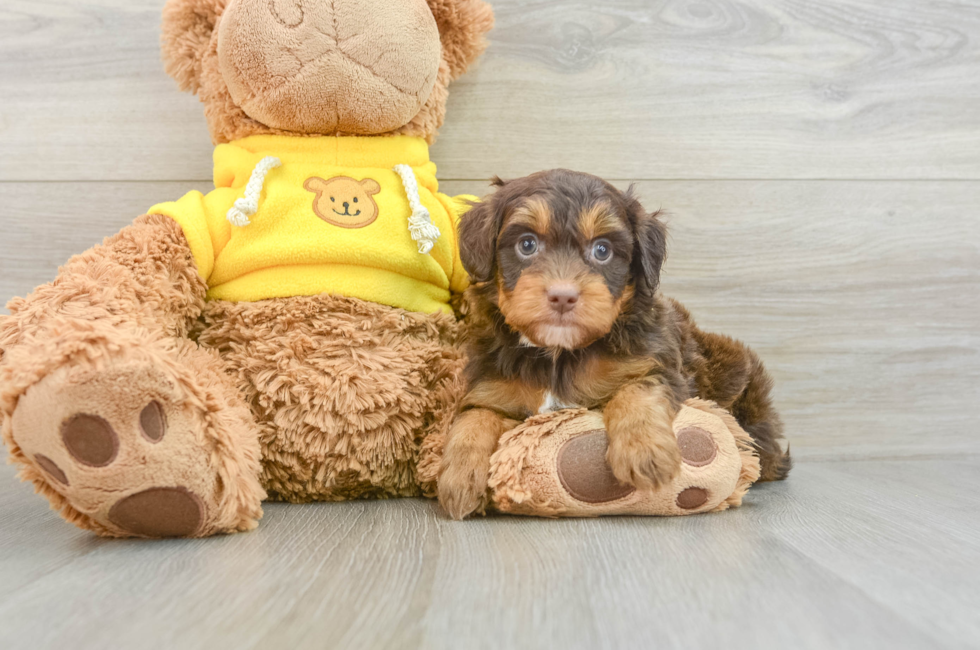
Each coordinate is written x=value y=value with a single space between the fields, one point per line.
x=333 y=217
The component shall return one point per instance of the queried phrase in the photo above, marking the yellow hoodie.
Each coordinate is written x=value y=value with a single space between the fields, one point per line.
x=331 y=215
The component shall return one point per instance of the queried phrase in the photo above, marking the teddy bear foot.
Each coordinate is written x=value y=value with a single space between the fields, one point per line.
x=127 y=451
x=555 y=465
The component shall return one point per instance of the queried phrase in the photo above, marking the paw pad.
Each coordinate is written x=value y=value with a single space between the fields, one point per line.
x=90 y=440
x=697 y=446
x=51 y=468
x=691 y=498
x=152 y=422
x=159 y=512
x=155 y=512
x=584 y=472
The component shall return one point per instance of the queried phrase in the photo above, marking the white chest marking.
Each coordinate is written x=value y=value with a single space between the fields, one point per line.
x=551 y=404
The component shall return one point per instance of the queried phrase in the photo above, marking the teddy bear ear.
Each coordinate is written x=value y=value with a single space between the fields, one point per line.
x=462 y=26
x=186 y=33
x=314 y=184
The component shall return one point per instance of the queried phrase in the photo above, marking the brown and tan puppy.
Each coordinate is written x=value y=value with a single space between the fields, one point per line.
x=566 y=312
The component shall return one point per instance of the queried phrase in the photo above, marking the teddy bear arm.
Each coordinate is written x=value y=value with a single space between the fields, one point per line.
x=139 y=285
x=144 y=276
x=123 y=422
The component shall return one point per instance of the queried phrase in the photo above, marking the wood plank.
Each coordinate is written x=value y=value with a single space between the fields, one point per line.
x=622 y=88
x=890 y=529
x=43 y=224
x=34 y=541
x=862 y=297
x=843 y=555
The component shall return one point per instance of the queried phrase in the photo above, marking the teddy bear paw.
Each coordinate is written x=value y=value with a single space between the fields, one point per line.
x=567 y=474
x=699 y=485
x=124 y=447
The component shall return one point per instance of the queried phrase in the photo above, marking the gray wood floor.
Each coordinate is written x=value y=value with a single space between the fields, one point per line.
x=855 y=554
x=820 y=166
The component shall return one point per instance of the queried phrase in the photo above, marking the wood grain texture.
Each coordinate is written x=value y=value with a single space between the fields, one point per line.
x=862 y=297
x=826 y=560
x=662 y=89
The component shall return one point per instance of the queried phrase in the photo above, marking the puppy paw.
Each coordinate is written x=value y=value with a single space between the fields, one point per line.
x=646 y=458
x=462 y=486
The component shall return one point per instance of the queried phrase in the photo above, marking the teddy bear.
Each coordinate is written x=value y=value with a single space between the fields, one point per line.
x=290 y=335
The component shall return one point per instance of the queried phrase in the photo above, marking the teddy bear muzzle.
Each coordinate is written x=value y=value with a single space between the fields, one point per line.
x=362 y=67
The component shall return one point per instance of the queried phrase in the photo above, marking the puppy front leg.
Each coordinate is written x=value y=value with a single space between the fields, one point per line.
x=465 y=469
x=643 y=451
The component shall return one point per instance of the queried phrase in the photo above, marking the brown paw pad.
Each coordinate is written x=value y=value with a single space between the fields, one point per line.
x=90 y=440
x=691 y=498
x=153 y=424
x=697 y=446
x=159 y=512
x=51 y=468
x=584 y=472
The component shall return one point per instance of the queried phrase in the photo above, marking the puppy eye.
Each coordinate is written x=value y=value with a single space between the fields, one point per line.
x=527 y=246
x=602 y=250
x=332 y=199
x=355 y=199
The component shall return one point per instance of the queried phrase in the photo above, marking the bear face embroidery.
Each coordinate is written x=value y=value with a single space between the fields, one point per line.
x=344 y=201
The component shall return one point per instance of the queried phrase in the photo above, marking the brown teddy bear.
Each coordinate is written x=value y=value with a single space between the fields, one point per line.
x=289 y=334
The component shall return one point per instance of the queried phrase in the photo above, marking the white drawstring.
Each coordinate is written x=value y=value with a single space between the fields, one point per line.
x=248 y=205
x=424 y=232
x=420 y=226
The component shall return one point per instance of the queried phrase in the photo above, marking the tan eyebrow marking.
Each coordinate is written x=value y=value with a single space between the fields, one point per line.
x=598 y=220
x=533 y=213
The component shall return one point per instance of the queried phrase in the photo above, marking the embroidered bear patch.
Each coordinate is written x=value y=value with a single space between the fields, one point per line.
x=344 y=201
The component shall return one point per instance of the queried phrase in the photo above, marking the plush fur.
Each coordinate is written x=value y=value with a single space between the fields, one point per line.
x=190 y=51
x=343 y=391
x=565 y=311
x=118 y=315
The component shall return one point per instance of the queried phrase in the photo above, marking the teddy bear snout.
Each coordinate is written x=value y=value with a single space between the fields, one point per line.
x=362 y=67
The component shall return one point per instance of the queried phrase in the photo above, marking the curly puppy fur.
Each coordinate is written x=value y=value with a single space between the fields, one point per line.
x=190 y=52
x=565 y=311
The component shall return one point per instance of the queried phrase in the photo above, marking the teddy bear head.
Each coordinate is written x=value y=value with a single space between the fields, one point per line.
x=322 y=67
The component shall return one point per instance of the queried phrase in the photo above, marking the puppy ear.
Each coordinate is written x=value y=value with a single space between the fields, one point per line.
x=186 y=33
x=462 y=25
x=650 y=248
x=478 y=232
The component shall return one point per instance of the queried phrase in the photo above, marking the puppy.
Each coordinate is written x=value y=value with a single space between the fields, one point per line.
x=565 y=311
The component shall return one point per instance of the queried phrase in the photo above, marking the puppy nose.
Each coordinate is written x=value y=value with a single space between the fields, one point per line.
x=562 y=297
x=346 y=205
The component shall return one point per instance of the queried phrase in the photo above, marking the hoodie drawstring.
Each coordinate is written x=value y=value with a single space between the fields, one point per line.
x=423 y=231
x=248 y=205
